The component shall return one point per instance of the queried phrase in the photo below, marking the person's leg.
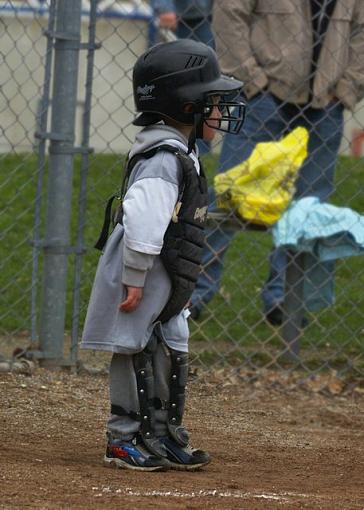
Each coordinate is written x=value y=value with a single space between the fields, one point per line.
x=125 y=447
x=198 y=30
x=123 y=394
x=217 y=240
x=263 y=123
x=316 y=178
x=170 y=366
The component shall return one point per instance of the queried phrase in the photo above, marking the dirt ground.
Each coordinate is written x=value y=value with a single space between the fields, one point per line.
x=273 y=446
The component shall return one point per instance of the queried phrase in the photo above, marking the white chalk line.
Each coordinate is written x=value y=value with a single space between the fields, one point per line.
x=203 y=493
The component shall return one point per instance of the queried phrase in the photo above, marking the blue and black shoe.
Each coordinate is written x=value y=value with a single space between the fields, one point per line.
x=184 y=458
x=132 y=455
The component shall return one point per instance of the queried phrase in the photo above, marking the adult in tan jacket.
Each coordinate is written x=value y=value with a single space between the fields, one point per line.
x=302 y=62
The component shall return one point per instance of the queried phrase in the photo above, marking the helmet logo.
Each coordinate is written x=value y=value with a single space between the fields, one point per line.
x=145 y=92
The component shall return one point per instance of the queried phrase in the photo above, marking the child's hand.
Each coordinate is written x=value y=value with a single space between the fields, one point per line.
x=133 y=297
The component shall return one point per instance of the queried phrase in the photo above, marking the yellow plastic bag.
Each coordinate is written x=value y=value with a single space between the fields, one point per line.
x=261 y=188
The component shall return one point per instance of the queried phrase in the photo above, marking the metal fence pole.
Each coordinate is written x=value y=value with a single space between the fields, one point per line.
x=85 y=150
x=61 y=154
x=41 y=150
x=293 y=306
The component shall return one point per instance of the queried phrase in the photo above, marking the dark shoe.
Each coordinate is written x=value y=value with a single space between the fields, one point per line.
x=132 y=455
x=195 y=312
x=184 y=458
x=275 y=317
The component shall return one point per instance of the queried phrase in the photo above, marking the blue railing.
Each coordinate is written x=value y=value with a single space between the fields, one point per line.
x=40 y=8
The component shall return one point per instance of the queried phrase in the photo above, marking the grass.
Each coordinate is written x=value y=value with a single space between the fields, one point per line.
x=231 y=327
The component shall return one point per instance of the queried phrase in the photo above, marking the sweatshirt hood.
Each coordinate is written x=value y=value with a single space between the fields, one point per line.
x=155 y=135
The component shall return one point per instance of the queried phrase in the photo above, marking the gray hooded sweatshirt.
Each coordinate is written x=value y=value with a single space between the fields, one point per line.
x=131 y=255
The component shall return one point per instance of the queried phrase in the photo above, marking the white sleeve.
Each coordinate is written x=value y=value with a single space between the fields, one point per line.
x=148 y=207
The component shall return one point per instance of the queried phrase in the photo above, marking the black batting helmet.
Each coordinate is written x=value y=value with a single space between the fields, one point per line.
x=170 y=75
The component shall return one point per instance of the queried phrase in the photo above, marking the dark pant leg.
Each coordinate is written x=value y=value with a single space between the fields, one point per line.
x=198 y=30
x=316 y=178
x=264 y=122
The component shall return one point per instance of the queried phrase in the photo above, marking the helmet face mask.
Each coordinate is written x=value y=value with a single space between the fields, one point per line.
x=170 y=76
x=232 y=113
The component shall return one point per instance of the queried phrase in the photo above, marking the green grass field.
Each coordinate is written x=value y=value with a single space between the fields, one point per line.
x=232 y=325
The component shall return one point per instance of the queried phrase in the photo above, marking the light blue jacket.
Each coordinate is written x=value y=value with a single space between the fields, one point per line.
x=324 y=233
x=185 y=9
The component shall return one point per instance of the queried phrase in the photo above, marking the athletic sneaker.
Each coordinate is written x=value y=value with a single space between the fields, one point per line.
x=132 y=455
x=184 y=458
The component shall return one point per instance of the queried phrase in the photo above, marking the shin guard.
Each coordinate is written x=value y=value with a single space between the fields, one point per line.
x=178 y=382
x=143 y=365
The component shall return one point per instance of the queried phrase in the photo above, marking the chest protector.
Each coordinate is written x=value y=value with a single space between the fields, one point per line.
x=183 y=242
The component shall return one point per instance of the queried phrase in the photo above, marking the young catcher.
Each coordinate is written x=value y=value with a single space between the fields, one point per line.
x=151 y=261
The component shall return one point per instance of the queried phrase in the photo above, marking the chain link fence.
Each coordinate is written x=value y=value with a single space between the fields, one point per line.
x=231 y=328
